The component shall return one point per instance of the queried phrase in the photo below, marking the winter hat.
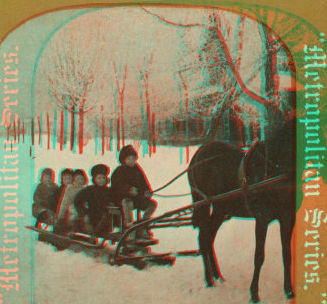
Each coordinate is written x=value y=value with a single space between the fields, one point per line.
x=47 y=171
x=65 y=172
x=100 y=169
x=125 y=152
x=79 y=172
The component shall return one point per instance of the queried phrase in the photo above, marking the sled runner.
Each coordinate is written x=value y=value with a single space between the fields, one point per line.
x=63 y=240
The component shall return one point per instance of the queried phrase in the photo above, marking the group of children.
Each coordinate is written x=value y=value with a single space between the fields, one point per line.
x=74 y=206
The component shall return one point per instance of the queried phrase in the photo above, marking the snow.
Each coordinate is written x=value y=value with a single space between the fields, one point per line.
x=77 y=276
x=80 y=275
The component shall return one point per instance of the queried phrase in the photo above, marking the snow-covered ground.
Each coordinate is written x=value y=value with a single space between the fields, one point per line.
x=80 y=275
x=77 y=276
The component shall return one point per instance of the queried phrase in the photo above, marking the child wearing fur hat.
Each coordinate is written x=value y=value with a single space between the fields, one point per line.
x=92 y=201
x=42 y=197
x=66 y=215
x=131 y=189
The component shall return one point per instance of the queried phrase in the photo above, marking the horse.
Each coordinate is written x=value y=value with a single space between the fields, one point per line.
x=217 y=168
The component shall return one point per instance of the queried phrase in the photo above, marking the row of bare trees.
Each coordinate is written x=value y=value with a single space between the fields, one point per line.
x=209 y=74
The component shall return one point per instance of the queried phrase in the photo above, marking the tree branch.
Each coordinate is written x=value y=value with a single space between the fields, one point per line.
x=163 y=20
x=236 y=74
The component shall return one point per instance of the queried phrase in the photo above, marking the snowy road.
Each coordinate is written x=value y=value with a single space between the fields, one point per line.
x=76 y=276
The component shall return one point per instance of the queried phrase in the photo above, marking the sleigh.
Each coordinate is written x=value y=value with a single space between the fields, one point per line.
x=138 y=252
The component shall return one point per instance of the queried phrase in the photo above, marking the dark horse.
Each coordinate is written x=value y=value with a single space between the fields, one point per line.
x=217 y=168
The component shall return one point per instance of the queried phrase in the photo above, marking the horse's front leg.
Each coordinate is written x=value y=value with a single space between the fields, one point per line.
x=286 y=229
x=261 y=228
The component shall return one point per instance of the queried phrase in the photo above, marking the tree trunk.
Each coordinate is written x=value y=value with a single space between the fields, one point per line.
x=153 y=131
x=270 y=72
x=54 y=132
x=96 y=137
x=48 y=130
x=8 y=132
x=240 y=127
x=62 y=126
x=32 y=131
x=15 y=136
x=255 y=132
x=111 y=134
x=81 y=132
x=18 y=130
x=148 y=117
x=72 y=129
x=118 y=134
x=65 y=128
x=122 y=120
x=103 y=138
x=40 y=130
x=23 y=132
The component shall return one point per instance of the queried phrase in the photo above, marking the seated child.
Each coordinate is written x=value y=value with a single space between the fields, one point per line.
x=131 y=189
x=92 y=201
x=42 y=197
x=65 y=179
x=66 y=214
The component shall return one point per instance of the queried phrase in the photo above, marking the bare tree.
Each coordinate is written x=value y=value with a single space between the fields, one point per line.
x=206 y=79
x=144 y=71
x=222 y=86
x=120 y=79
x=70 y=69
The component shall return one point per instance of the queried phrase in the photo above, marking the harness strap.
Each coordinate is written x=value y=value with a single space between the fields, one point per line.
x=244 y=183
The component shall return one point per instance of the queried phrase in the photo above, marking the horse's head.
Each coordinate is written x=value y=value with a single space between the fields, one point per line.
x=274 y=157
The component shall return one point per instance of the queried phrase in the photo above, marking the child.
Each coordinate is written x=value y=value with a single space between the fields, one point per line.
x=66 y=177
x=131 y=189
x=92 y=201
x=66 y=215
x=42 y=197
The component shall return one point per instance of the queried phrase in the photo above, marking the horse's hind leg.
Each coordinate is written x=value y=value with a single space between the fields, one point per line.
x=211 y=252
x=204 y=246
x=286 y=228
x=207 y=234
x=260 y=234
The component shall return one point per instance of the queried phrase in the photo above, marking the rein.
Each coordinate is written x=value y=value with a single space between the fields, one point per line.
x=195 y=165
x=171 y=181
x=178 y=176
x=172 y=195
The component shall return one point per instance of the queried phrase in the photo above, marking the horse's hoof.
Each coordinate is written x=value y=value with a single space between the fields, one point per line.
x=290 y=295
x=209 y=283
x=255 y=299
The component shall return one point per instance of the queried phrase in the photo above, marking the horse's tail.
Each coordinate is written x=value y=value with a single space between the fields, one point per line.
x=206 y=178
x=201 y=214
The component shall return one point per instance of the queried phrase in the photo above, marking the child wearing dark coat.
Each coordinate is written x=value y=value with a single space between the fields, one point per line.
x=91 y=202
x=131 y=189
x=43 y=196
